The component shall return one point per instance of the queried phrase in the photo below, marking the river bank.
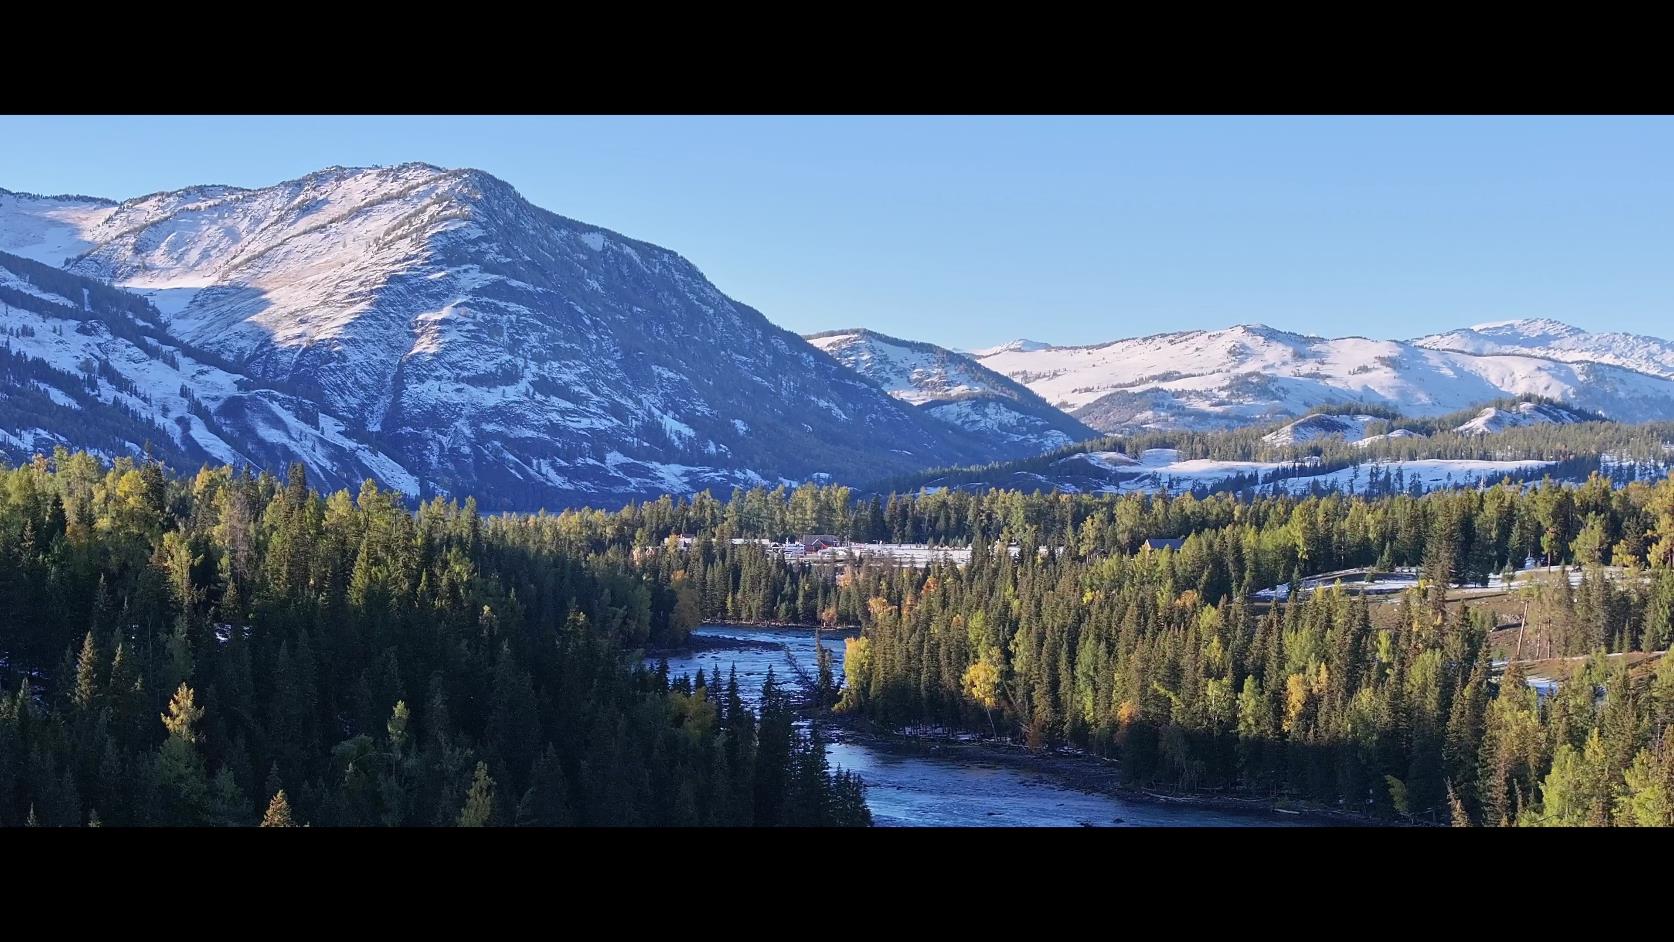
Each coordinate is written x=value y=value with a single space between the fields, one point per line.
x=1079 y=770
x=923 y=777
x=697 y=642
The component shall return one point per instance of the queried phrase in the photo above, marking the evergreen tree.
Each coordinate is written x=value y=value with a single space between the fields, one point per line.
x=278 y=814
x=182 y=780
x=479 y=801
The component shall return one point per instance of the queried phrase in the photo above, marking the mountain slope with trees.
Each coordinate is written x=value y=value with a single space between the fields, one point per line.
x=226 y=650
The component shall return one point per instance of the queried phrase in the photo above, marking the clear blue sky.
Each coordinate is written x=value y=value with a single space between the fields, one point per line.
x=972 y=231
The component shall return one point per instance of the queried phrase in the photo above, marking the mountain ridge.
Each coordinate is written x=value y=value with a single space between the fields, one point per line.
x=433 y=328
x=954 y=389
x=1253 y=373
x=486 y=344
x=1559 y=341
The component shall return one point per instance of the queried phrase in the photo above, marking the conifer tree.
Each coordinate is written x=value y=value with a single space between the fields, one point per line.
x=182 y=779
x=479 y=801
x=278 y=814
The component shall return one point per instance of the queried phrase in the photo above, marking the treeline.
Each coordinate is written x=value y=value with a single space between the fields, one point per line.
x=1488 y=528
x=1626 y=452
x=1128 y=656
x=230 y=649
x=214 y=641
x=1313 y=699
x=1452 y=420
x=1161 y=658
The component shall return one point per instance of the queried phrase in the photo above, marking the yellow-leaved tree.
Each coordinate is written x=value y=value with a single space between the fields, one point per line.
x=857 y=666
x=1662 y=509
x=982 y=682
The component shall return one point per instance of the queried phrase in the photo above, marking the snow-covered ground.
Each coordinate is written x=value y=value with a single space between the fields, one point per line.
x=1349 y=428
x=913 y=555
x=49 y=229
x=1397 y=581
x=1387 y=436
x=1163 y=468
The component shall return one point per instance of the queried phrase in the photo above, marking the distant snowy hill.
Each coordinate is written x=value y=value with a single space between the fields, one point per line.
x=475 y=343
x=1349 y=428
x=1559 y=341
x=955 y=390
x=1494 y=419
x=1253 y=374
x=1164 y=469
x=1016 y=346
x=1352 y=428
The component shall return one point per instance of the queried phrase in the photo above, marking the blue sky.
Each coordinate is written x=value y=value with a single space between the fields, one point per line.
x=971 y=231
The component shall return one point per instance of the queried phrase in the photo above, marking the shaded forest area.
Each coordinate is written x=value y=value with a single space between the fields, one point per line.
x=230 y=649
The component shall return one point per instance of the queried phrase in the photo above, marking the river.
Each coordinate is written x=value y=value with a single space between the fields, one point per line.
x=957 y=787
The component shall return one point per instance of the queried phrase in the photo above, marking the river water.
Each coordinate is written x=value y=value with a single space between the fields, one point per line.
x=906 y=788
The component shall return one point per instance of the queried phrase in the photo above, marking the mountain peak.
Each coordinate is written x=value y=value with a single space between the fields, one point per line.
x=1266 y=332
x=1253 y=373
x=954 y=389
x=1020 y=345
x=1527 y=327
x=457 y=338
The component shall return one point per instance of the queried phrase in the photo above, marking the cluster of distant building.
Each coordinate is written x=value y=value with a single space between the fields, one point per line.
x=829 y=548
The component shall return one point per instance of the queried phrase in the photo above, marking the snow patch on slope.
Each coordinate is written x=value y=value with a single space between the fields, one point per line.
x=1493 y=419
x=1349 y=428
x=49 y=229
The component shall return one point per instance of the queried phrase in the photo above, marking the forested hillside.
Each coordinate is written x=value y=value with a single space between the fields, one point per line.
x=230 y=649
x=180 y=651
x=1389 y=454
x=1399 y=709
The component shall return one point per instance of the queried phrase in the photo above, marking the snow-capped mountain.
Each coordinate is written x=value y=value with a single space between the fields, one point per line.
x=1559 y=341
x=481 y=344
x=1252 y=374
x=954 y=389
x=1020 y=345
